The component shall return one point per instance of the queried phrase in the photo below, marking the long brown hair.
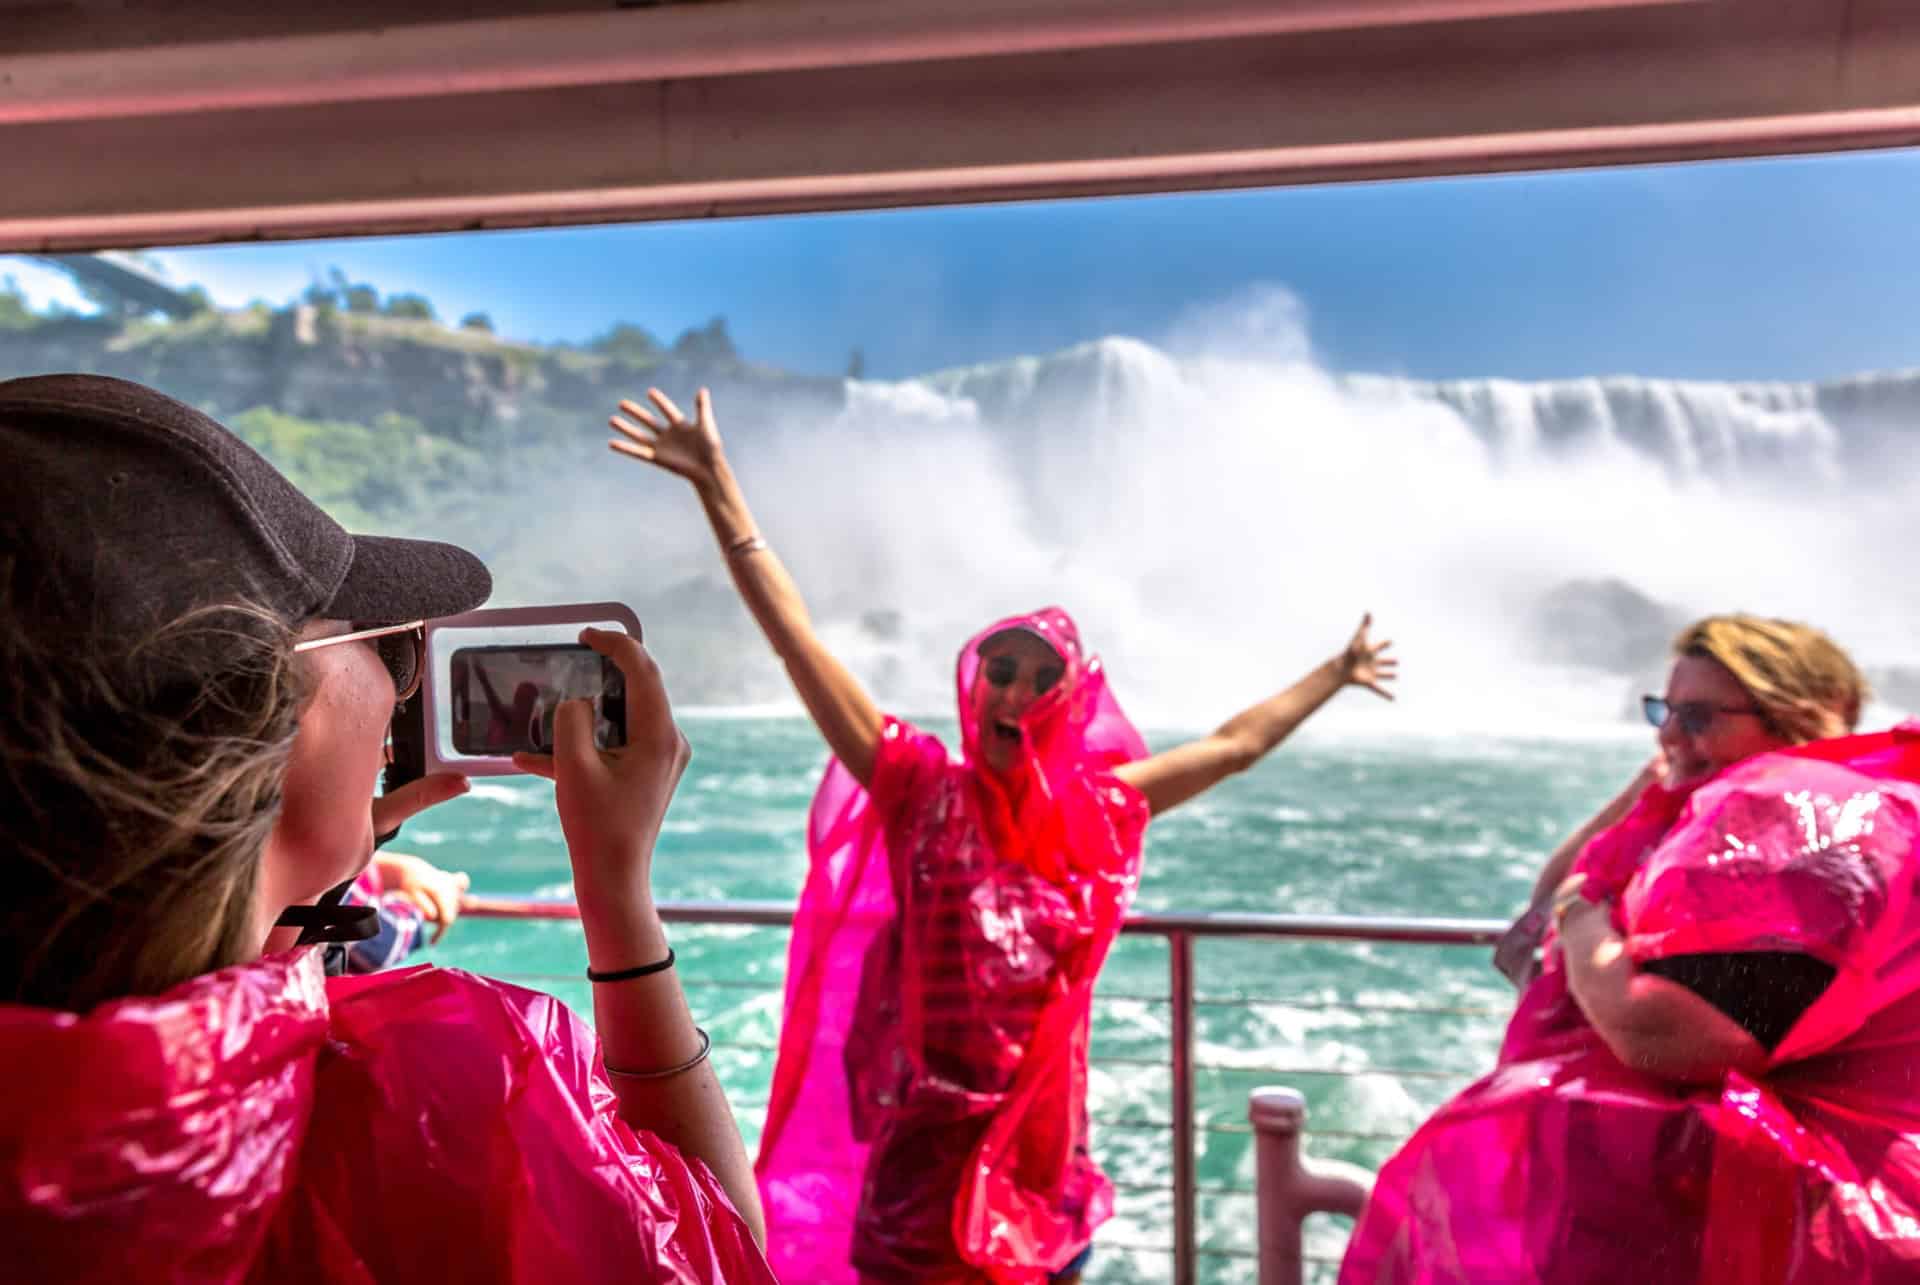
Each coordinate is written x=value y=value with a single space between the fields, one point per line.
x=140 y=781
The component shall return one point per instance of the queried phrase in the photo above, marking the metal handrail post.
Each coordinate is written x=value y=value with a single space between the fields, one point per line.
x=1180 y=988
x=1288 y=1187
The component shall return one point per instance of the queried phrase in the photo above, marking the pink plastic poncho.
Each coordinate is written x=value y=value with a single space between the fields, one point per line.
x=1564 y=1165
x=265 y=1124
x=928 y=1116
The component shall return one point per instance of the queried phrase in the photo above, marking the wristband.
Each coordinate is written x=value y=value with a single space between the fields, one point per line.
x=628 y=974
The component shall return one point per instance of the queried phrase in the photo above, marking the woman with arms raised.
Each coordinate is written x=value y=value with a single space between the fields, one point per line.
x=197 y=673
x=928 y=1118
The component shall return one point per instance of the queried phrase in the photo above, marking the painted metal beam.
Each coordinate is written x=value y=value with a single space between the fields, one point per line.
x=685 y=42
x=930 y=103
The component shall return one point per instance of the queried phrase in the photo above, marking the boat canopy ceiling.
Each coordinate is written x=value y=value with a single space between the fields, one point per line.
x=136 y=122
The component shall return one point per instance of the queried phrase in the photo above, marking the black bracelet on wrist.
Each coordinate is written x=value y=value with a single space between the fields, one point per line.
x=628 y=974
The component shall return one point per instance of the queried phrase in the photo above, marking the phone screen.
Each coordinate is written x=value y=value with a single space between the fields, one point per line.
x=504 y=698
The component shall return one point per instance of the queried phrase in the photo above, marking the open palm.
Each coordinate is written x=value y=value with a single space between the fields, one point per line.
x=666 y=437
x=1367 y=663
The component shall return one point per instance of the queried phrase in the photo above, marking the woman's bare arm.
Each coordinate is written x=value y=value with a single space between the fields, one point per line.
x=840 y=707
x=644 y=1024
x=1171 y=778
x=1650 y=1023
x=612 y=804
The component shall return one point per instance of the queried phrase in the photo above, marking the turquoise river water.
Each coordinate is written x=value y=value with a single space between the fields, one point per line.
x=1326 y=826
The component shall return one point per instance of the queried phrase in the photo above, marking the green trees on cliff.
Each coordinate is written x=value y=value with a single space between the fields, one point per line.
x=369 y=476
x=392 y=419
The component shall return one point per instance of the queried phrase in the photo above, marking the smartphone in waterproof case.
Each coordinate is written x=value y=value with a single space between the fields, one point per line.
x=503 y=698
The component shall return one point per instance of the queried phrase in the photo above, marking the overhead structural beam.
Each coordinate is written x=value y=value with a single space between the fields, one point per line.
x=1339 y=162
x=758 y=111
x=682 y=42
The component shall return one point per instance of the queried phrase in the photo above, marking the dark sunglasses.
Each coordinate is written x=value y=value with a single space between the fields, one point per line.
x=1694 y=717
x=1002 y=671
x=401 y=648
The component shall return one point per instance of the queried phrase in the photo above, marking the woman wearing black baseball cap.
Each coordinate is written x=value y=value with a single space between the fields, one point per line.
x=197 y=670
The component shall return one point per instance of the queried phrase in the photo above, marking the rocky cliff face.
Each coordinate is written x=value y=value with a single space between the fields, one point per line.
x=409 y=427
x=1607 y=625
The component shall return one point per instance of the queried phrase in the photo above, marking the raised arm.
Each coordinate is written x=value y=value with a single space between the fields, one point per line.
x=495 y=706
x=1171 y=778
x=663 y=436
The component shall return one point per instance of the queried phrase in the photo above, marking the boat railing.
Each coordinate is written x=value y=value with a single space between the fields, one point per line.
x=1288 y=1187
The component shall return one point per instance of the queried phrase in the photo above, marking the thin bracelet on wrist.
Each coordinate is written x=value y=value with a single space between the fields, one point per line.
x=746 y=544
x=665 y=1073
x=1563 y=904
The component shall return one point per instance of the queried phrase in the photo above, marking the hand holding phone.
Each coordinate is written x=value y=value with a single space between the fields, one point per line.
x=612 y=802
x=497 y=678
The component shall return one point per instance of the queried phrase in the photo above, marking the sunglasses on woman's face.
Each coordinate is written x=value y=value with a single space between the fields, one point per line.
x=401 y=648
x=1004 y=671
x=1694 y=717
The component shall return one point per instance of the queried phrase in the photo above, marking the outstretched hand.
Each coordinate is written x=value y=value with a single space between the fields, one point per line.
x=668 y=438
x=1366 y=664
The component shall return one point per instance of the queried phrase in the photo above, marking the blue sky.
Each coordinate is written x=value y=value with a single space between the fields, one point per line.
x=1775 y=269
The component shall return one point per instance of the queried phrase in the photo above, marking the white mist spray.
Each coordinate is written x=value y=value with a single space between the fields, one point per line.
x=1218 y=511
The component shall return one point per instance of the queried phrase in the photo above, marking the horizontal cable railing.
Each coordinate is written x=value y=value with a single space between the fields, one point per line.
x=1405 y=930
x=1179 y=930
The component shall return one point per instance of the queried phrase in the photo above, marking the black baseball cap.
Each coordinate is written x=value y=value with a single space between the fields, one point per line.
x=126 y=509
